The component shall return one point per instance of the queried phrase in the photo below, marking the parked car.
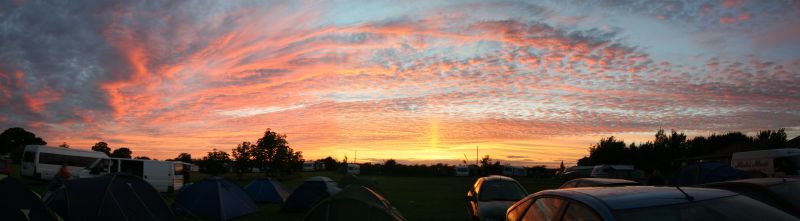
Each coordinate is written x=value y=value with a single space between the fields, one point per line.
x=597 y=182
x=576 y=172
x=781 y=193
x=490 y=196
x=635 y=203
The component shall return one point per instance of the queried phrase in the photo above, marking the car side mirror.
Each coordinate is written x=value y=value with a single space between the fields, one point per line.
x=469 y=198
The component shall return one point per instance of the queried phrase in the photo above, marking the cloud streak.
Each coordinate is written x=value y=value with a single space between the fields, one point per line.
x=528 y=81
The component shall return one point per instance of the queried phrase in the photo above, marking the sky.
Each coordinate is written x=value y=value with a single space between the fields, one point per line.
x=529 y=83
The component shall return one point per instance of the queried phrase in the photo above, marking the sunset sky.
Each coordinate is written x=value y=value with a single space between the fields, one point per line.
x=423 y=81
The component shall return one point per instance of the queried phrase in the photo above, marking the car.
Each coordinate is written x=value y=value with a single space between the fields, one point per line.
x=781 y=193
x=490 y=196
x=597 y=182
x=634 y=203
x=576 y=172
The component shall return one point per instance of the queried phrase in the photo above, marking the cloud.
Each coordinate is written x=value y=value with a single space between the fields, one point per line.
x=170 y=77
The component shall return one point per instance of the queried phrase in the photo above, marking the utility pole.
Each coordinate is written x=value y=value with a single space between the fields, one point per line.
x=355 y=156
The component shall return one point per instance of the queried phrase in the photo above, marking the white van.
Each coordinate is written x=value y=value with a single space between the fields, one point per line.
x=308 y=166
x=165 y=176
x=770 y=163
x=462 y=170
x=353 y=169
x=44 y=162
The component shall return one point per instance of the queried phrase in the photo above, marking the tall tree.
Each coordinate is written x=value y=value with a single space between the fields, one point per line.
x=123 y=152
x=102 y=147
x=273 y=151
x=13 y=141
x=184 y=157
x=216 y=162
x=242 y=157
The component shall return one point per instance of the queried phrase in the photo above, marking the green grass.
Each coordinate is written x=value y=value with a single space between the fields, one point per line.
x=417 y=198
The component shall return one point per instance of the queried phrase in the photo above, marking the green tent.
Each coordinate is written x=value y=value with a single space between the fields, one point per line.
x=354 y=203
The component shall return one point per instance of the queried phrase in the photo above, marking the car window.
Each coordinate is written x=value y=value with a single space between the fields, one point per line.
x=579 y=212
x=514 y=213
x=543 y=209
x=500 y=190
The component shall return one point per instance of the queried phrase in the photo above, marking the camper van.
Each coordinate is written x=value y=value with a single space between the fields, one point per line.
x=165 y=176
x=308 y=166
x=514 y=171
x=353 y=169
x=462 y=170
x=769 y=163
x=44 y=162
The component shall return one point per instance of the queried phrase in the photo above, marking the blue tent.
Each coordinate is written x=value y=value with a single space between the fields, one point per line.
x=213 y=199
x=313 y=190
x=707 y=172
x=267 y=190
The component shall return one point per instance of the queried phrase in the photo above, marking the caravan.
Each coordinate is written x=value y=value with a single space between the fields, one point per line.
x=353 y=169
x=43 y=162
x=770 y=163
x=165 y=176
x=462 y=170
x=514 y=171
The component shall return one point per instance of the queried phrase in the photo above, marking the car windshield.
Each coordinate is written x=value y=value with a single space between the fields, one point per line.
x=501 y=191
x=728 y=208
x=789 y=191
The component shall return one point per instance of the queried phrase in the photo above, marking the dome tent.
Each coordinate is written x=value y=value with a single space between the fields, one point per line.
x=266 y=190
x=110 y=197
x=213 y=199
x=16 y=199
x=313 y=190
x=354 y=203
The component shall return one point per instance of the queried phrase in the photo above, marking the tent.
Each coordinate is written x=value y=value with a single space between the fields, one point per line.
x=707 y=172
x=17 y=202
x=109 y=197
x=267 y=190
x=213 y=199
x=313 y=190
x=354 y=203
x=353 y=179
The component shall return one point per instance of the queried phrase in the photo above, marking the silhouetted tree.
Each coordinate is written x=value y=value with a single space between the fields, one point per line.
x=330 y=163
x=13 y=141
x=64 y=145
x=242 y=158
x=390 y=167
x=142 y=158
x=273 y=151
x=216 y=162
x=102 y=147
x=123 y=152
x=184 y=157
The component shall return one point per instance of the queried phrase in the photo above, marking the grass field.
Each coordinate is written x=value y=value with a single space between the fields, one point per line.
x=417 y=198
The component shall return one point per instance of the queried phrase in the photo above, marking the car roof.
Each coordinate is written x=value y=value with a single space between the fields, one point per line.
x=756 y=181
x=629 y=197
x=498 y=178
x=603 y=180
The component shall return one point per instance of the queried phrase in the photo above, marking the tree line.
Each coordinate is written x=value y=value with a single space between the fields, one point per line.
x=668 y=151
x=270 y=154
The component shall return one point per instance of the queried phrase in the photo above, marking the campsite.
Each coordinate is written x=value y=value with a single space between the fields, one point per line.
x=417 y=198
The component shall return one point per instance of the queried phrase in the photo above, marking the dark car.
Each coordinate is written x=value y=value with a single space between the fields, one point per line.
x=597 y=182
x=782 y=193
x=576 y=172
x=489 y=198
x=640 y=203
